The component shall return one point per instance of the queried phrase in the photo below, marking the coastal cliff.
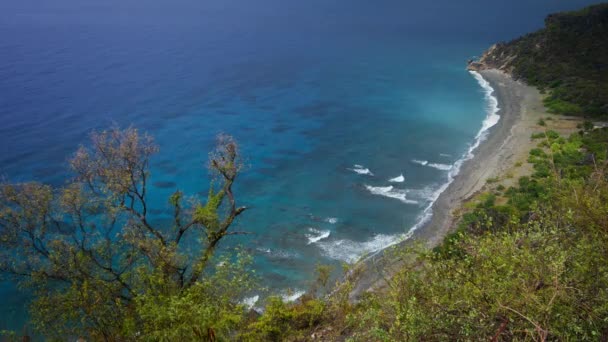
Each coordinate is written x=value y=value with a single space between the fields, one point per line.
x=568 y=58
x=494 y=58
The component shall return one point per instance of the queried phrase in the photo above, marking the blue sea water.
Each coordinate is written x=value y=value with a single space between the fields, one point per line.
x=330 y=100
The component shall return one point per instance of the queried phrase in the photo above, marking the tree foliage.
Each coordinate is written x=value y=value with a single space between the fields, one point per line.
x=100 y=268
x=569 y=57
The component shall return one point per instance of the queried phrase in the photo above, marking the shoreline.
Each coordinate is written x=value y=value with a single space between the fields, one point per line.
x=506 y=144
x=492 y=157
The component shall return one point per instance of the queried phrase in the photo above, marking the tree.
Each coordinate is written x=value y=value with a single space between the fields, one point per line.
x=99 y=267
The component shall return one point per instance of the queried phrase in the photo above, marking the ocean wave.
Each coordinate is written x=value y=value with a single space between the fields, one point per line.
x=391 y=192
x=438 y=166
x=317 y=235
x=250 y=302
x=492 y=105
x=420 y=162
x=360 y=169
x=277 y=253
x=331 y=220
x=424 y=194
x=292 y=295
x=398 y=179
x=445 y=155
x=442 y=167
x=351 y=251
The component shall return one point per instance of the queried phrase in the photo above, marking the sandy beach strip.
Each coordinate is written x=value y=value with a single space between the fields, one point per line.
x=507 y=144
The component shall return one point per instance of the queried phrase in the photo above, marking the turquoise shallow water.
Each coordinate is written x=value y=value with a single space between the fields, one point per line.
x=329 y=100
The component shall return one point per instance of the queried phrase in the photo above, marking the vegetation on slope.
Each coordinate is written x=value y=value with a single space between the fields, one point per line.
x=569 y=58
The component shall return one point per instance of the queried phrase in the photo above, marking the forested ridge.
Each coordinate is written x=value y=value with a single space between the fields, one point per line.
x=568 y=58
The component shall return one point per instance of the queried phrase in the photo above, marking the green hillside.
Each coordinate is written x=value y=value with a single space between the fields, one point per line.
x=568 y=58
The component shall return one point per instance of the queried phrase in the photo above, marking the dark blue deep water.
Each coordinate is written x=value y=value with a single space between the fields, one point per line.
x=310 y=89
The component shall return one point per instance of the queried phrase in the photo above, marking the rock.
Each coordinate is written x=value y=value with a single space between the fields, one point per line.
x=589 y=159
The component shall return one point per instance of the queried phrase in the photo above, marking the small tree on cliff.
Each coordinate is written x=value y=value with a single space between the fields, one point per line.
x=99 y=267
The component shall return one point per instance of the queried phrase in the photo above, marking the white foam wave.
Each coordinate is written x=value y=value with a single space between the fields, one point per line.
x=445 y=155
x=424 y=194
x=317 y=235
x=420 y=162
x=492 y=106
x=331 y=220
x=442 y=167
x=340 y=249
x=398 y=179
x=277 y=253
x=250 y=302
x=360 y=169
x=438 y=166
x=351 y=251
x=391 y=192
x=291 y=296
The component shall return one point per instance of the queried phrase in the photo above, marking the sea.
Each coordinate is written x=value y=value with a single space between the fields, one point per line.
x=352 y=116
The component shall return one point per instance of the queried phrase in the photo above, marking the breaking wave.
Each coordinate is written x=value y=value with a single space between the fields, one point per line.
x=351 y=251
x=360 y=169
x=276 y=253
x=442 y=167
x=250 y=302
x=391 y=192
x=291 y=296
x=420 y=162
x=317 y=235
x=331 y=220
x=398 y=179
x=438 y=166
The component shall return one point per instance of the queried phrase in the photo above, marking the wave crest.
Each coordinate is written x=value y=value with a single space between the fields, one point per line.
x=442 y=167
x=331 y=220
x=351 y=251
x=391 y=192
x=438 y=166
x=398 y=179
x=317 y=235
x=360 y=169
x=420 y=162
x=292 y=295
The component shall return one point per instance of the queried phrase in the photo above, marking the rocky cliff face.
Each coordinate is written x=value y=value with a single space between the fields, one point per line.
x=497 y=56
